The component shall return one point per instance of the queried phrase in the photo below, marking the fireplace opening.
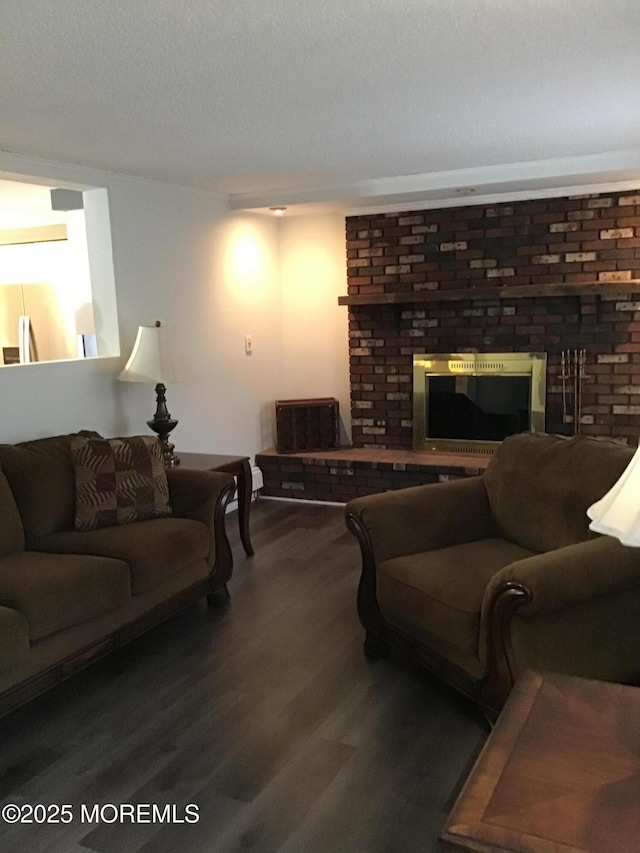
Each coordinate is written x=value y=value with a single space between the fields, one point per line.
x=470 y=402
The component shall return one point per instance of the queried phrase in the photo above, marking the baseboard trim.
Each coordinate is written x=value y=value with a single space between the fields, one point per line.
x=256 y=484
x=302 y=501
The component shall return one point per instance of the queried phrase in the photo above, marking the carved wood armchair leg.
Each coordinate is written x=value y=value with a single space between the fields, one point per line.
x=218 y=598
x=375 y=647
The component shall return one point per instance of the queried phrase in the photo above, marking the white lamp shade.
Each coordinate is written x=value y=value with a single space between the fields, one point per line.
x=150 y=359
x=618 y=512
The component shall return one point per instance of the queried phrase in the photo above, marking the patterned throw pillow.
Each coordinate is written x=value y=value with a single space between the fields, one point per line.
x=118 y=480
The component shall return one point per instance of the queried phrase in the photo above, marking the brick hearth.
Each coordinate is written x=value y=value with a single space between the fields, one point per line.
x=339 y=475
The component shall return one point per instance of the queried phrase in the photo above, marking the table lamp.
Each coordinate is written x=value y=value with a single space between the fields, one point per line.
x=149 y=362
x=618 y=512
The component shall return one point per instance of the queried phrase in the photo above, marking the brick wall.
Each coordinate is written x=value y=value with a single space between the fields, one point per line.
x=546 y=242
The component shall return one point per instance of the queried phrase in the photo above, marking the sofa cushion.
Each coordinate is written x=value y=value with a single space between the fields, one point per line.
x=118 y=480
x=539 y=486
x=40 y=474
x=154 y=550
x=56 y=591
x=11 y=530
x=440 y=592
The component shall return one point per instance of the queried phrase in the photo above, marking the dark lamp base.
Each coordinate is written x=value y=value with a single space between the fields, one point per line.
x=162 y=424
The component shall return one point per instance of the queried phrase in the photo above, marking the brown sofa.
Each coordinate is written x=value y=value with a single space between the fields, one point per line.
x=69 y=597
x=484 y=577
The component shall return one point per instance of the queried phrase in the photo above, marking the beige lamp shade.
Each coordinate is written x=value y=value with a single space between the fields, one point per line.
x=150 y=359
x=618 y=512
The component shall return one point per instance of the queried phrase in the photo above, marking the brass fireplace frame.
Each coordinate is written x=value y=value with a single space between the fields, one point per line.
x=532 y=364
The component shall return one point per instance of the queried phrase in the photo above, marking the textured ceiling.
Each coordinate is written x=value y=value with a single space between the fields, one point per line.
x=268 y=96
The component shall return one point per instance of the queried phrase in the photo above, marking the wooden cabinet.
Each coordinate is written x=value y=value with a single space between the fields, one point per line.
x=307 y=425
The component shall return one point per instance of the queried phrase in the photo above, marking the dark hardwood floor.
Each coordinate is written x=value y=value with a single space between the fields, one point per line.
x=265 y=715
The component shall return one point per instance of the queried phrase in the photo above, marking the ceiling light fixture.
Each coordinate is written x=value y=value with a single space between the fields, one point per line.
x=277 y=211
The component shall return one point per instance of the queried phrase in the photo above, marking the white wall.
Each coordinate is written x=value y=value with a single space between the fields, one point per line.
x=181 y=257
x=212 y=276
x=315 y=327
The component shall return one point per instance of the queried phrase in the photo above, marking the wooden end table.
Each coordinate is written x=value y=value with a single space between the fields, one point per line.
x=239 y=467
x=560 y=772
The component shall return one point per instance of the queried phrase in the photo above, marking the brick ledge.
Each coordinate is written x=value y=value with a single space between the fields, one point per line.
x=339 y=475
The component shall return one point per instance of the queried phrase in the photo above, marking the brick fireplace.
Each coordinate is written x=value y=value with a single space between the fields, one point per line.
x=546 y=275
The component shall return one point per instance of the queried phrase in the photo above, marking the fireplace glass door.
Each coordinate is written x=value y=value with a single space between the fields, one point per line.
x=470 y=402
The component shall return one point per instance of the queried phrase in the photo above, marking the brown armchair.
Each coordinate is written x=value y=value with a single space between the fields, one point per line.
x=484 y=577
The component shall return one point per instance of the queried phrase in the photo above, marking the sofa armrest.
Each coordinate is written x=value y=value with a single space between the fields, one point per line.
x=422 y=518
x=567 y=577
x=195 y=494
x=203 y=496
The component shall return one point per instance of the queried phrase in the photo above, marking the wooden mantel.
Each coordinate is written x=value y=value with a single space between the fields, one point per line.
x=591 y=288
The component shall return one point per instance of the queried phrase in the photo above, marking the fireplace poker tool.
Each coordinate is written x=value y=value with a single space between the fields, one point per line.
x=573 y=373
x=576 y=393
x=563 y=376
x=582 y=360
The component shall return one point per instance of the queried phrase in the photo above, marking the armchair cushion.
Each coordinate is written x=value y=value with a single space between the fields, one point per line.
x=540 y=486
x=440 y=593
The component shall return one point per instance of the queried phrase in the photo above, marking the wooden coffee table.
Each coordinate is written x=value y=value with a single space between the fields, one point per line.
x=560 y=773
